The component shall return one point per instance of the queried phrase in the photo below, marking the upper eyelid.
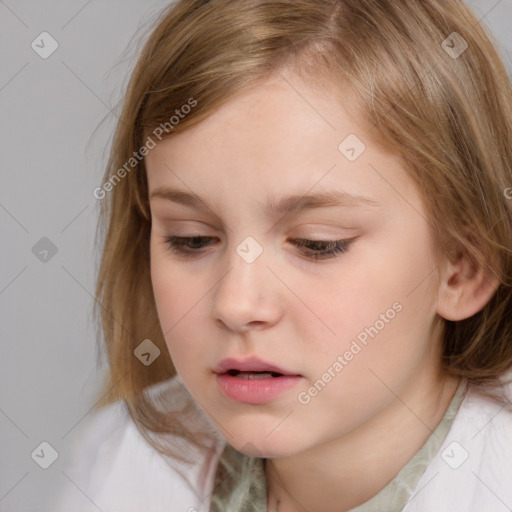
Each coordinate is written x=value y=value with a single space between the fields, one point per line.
x=312 y=239
x=318 y=226
x=329 y=221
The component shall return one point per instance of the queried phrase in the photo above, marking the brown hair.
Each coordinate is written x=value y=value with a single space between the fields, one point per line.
x=448 y=116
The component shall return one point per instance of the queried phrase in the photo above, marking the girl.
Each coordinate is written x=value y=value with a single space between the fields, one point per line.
x=307 y=265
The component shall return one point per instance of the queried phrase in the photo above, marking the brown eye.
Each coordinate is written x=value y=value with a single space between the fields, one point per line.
x=186 y=245
x=323 y=249
x=313 y=249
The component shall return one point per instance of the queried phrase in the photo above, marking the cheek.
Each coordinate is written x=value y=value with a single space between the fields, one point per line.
x=167 y=287
x=177 y=296
x=365 y=290
x=384 y=300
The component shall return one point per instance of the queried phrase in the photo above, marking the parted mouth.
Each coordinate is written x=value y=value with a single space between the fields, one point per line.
x=250 y=366
x=253 y=375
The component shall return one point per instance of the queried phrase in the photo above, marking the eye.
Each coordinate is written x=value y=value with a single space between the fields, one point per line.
x=186 y=244
x=313 y=249
x=323 y=249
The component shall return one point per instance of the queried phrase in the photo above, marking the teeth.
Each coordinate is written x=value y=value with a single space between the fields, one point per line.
x=253 y=375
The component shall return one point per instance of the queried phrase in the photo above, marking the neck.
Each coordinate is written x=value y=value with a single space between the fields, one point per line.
x=352 y=468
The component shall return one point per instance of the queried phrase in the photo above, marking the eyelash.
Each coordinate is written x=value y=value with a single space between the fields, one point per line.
x=333 y=248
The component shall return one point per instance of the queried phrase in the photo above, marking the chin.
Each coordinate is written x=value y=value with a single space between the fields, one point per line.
x=262 y=451
x=257 y=444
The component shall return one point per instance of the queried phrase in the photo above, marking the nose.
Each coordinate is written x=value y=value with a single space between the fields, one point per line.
x=247 y=296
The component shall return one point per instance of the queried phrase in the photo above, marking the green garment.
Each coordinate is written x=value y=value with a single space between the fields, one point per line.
x=240 y=480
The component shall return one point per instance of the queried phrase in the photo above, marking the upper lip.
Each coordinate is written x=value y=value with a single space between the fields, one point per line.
x=251 y=364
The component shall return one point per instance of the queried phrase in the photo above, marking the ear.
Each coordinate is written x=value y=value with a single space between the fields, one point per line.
x=464 y=289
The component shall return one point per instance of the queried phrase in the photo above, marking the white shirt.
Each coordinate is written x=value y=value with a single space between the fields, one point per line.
x=114 y=469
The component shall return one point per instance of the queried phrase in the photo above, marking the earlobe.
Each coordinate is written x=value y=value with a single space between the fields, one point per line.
x=464 y=290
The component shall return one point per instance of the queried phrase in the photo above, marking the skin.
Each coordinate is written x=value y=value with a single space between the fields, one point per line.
x=302 y=314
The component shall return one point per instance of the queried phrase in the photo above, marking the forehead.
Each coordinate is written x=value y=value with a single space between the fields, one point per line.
x=281 y=136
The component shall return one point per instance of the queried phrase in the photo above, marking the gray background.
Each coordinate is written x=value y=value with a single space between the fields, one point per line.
x=53 y=153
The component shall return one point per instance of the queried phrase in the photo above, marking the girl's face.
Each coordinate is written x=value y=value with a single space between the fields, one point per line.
x=352 y=327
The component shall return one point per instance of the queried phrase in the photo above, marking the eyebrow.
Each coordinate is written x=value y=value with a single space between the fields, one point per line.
x=293 y=203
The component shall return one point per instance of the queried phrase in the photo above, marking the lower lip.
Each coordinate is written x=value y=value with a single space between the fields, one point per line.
x=255 y=391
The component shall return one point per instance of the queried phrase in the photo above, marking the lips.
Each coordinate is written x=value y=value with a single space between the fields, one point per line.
x=251 y=368
x=253 y=381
